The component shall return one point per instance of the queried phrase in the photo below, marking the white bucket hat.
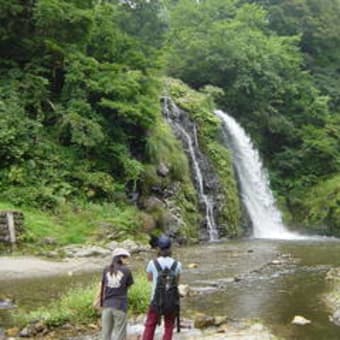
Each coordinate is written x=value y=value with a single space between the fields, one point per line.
x=120 y=252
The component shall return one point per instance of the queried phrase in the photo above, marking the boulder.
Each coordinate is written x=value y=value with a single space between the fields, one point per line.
x=300 y=320
x=335 y=317
x=184 y=290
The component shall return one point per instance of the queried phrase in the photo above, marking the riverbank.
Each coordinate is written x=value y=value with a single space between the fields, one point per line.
x=19 y=267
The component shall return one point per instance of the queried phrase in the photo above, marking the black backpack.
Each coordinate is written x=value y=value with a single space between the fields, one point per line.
x=166 y=299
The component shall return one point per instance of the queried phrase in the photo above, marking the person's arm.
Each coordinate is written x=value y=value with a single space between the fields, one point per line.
x=149 y=276
x=149 y=271
x=102 y=289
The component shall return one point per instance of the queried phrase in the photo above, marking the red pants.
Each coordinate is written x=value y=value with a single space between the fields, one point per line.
x=151 y=323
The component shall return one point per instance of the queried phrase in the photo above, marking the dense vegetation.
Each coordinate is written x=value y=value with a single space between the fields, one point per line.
x=80 y=117
x=280 y=79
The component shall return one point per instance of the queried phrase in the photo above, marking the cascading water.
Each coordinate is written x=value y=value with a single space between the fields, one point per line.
x=255 y=190
x=173 y=115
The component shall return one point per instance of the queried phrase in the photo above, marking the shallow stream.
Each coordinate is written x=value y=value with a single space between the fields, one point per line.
x=269 y=280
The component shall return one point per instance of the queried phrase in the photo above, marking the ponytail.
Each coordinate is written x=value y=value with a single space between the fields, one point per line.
x=116 y=261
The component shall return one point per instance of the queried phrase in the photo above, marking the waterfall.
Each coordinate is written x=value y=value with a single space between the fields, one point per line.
x=188 y=135
x=255 y=189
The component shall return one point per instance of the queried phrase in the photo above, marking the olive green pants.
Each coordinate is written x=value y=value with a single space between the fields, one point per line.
x=114 y=323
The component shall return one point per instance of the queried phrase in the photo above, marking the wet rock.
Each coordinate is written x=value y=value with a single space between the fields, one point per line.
x=163 y=170
x=148 y=222
x=276 y=262
x=134 y=247
x=49 y=241
x=112 y=245
x=81 y=251
x=152 y=203
x=335 y=318
x=11 y=332
x=27 y=332
x=226 y=280
x=333 y=274
x=34 y=329
x=184 y=290
x=172 y=223
x=7 y=304
x=192 y=265
x=203 y=321
x=300 y=320
x=219 y=320
x=52 y=254
x=257 y=327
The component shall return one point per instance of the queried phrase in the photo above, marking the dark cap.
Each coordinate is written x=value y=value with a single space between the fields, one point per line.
x=164 y=242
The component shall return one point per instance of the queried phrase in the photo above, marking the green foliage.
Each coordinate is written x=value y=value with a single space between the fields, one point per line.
x=78 y=223
x=232 y=45
x=77 y=97
x=75 y=306
x=199 y=106
x=317 y=23
x=139 y=294
x=162 y=147
x=80 y=86
x=319 y=207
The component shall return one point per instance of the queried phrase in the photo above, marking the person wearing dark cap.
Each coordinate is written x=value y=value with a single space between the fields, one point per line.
x=164 y=261
x=116 y=280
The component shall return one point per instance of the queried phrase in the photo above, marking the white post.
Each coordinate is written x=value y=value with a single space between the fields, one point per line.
x=11 y=227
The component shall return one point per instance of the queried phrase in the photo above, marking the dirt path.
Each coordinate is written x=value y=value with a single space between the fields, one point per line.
x=16 y=267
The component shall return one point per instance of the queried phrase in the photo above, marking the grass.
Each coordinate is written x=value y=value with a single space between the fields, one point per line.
x=77 y=223
x=75 y=306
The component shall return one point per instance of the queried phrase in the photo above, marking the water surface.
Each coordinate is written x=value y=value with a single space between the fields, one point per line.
x=274 y=293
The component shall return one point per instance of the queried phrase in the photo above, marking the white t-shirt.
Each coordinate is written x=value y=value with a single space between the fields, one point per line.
x=164 y=262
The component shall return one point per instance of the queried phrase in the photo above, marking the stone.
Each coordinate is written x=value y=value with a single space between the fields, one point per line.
x=192 y=265
x=333 y=274
x=81 y=251
x=257 y=327
x=6 y=303
x=219 y=320
x=152 y=203
x=203 y=321
x=300 y=320
x=12 y=332
x=184 y=290
x=276 y=262
x=148 y=222
x=335 y=318
x=163 y=170
x=49 y=241
x=112 y=245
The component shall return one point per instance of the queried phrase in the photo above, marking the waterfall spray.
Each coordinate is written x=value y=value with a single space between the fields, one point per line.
x=255 y=189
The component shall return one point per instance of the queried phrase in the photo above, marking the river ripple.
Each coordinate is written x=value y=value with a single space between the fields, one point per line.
x=269 y=280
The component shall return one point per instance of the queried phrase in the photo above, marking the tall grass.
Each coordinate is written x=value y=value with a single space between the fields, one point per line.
x=77 y=223
x=75 y=306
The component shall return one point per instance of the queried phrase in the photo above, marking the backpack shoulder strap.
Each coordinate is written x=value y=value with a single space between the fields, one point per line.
x=174 y=266
x=157 y=265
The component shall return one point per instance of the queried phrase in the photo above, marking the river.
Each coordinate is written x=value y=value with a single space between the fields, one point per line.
x=275 y=280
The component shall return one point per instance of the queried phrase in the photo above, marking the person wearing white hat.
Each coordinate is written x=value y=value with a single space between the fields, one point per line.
x=116 y=280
